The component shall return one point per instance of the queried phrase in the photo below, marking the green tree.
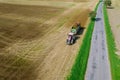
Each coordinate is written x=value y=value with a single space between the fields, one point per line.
x=92 y=14
x=108 y=2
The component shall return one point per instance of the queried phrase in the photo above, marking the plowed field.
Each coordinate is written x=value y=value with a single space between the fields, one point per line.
x=33 y=38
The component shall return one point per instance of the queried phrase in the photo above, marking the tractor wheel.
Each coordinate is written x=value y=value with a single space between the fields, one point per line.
x=68 y=42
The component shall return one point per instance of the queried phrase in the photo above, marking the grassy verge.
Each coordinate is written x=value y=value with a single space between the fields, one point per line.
x=79 y=67
x=114 y=58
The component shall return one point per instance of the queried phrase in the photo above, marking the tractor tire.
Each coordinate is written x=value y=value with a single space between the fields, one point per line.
x=72 y=41
x=67 y=42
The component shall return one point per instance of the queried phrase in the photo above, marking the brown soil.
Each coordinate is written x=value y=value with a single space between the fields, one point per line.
x=32 y=40
x=67 y=0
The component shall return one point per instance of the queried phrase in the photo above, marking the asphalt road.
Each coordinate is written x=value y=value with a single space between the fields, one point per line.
x=98 y=67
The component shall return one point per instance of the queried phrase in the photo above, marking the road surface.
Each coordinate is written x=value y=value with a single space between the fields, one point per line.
x=98 y=67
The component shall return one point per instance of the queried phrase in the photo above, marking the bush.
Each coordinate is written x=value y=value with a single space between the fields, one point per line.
x=92 y=14
x=108 y=2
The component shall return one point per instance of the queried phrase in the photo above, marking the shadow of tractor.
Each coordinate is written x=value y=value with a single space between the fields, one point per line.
x=80 y=32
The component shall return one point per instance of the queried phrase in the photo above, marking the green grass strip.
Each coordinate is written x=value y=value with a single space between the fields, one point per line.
x=79 y=67
x=114 y=58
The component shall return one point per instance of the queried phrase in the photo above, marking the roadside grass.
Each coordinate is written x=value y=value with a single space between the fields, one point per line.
x=114 y=58
x=79 y=67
